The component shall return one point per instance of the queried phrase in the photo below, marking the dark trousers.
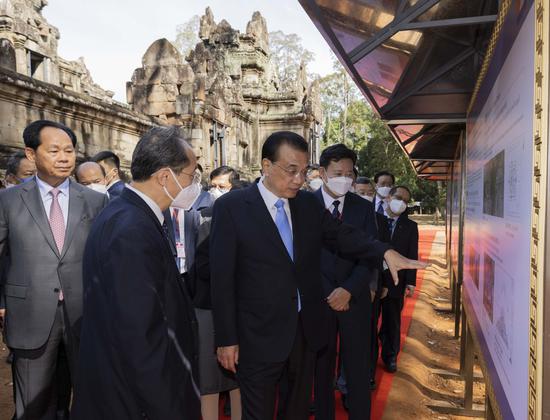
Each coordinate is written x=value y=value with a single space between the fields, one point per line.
x=374 y=336
x=36 y=376
x=354 y=327
x=390 y=330
x=258 y=382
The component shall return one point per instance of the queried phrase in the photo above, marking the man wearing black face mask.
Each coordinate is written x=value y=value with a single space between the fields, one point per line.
x=138 y=341
x=402 y=234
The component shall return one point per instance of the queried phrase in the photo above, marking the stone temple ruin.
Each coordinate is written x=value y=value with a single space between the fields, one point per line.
x=225 y=94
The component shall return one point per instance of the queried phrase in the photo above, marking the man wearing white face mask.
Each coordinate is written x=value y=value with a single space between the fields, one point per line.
x=347 y=286
x=384 y=182
x=110 y=163
x=221 y=180
x=138 y=342
x=91 y=175
x=402 y=235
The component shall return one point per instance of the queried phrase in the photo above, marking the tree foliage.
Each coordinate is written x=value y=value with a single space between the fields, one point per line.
x=187 y=35
x=349 y=119
x=287 y=54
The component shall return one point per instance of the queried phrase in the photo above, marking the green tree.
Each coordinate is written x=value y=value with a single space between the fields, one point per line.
x=187 y=35
x=287 y=55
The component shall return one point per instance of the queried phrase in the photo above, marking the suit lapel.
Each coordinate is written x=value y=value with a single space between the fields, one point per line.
x=260 y=213
x=30 y=195
x=350 y=214
x=75 y=216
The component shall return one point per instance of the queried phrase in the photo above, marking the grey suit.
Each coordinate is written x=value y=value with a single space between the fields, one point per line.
x=37 y=272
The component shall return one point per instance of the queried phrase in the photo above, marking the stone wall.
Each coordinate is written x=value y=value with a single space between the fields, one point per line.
x=97 y=124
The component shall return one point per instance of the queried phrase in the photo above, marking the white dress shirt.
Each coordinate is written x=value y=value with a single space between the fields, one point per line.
x=62 y=197
x=329 y=201
x=270 y=199
x=150 y=202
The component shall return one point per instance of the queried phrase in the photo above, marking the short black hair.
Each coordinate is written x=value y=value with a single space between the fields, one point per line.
x=384 y=173
x=394 y=190
x=31 y=134
x=160 y=147
x=271 y=146
x=14 y=162
x=363 y=180
x=109 y=157
x=335 y=153
x=224 y=170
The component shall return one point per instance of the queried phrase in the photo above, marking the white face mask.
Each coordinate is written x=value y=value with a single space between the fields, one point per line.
x=315 y=184
x=217 y=192
x=397 y=207
x=383 y=191
x=186 y=197
x=100 y=188
x=367 y=197
x=339 y=185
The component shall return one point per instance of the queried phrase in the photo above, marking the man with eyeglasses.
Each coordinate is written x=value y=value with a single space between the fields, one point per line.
x=270 y=312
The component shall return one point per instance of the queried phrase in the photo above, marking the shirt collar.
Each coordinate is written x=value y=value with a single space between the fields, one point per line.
x=45 y=188
x=329 y=201
x=269 y=198
x=150 y=202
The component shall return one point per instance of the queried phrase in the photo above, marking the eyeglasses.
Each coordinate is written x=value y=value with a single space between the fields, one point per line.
x=294 y=172
x=195 y=175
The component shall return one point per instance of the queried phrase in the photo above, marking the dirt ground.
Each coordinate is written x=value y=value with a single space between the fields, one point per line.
x=430 y=346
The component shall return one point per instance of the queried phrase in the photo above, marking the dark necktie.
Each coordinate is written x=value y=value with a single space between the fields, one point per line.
x=336 y=213
x=380 y=209
x=167 y=236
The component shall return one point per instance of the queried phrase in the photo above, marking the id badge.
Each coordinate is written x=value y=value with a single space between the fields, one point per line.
x=180 y=250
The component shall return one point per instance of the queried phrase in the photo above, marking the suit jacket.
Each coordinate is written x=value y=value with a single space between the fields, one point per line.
x=203 y=201
x=353 y=275
x=116 y=189
x=254 y=281
x=138 y=342
x=405 y=241
x=200 y=271
x=37 y=270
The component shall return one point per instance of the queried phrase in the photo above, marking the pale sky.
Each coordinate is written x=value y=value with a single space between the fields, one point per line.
x=113 y=35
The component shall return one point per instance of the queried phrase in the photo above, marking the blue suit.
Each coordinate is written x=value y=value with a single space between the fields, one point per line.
x=203 y=201
x=116 y=189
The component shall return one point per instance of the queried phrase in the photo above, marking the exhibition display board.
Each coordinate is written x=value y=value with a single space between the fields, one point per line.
x=498 y=209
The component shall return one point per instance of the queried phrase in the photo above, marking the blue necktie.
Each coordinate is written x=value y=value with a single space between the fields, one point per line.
x=380 y=208
x=281 y=221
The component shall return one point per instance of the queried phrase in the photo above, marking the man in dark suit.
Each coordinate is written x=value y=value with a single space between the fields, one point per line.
x=138 y=351
x=45 y=223
x=110 y=163
x=402 y=235
x=347 y=286
x=270 y=312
